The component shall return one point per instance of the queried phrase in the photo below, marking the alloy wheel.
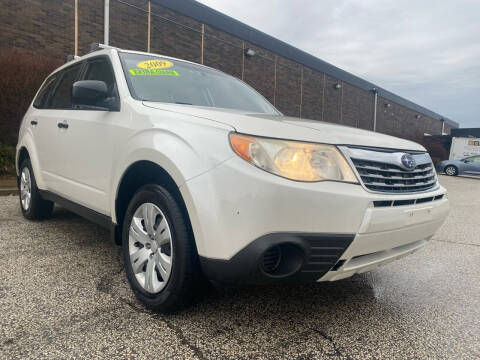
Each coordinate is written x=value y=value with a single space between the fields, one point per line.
x=150 y=248
x=25 y=188
x=450 y=170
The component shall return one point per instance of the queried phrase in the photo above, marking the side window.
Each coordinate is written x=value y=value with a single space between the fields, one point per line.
x=100 y=69
x=476 y=159
x=45 y=92
x=62 y=98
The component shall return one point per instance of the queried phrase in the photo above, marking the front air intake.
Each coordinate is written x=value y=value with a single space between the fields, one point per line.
x=271 y=259
x=282 y=260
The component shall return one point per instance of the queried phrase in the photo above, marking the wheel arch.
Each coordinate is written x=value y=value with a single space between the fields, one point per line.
x=26 y=149
x=141 y=173
x=22 y=155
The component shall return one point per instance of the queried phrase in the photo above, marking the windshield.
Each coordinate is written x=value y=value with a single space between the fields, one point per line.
x=153 y=78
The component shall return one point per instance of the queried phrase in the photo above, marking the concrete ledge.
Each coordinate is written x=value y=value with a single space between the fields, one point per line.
x=6 y=192
x=8 y=185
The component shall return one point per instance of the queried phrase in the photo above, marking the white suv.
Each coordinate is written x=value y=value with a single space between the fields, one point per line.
x=197 y=175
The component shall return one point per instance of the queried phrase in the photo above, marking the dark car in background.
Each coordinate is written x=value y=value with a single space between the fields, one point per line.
x=468 y=166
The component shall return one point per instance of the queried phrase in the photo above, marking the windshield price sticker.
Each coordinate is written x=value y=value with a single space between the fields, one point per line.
x=155 y=64
x=150 y=72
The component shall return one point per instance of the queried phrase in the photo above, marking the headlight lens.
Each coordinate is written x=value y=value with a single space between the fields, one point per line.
x=294 y=160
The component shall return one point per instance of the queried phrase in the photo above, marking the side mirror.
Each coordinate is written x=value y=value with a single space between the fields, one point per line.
x=90 y=93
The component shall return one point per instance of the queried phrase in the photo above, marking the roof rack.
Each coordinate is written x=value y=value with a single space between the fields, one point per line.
x=98 y=46
x=71 y=58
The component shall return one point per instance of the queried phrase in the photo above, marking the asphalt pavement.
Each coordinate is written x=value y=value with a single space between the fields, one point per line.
x=64 y=294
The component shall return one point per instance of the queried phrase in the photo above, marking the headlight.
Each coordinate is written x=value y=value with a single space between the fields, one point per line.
x=294 y=160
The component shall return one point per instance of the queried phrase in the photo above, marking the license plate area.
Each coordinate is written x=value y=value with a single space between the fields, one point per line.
x=417 y=216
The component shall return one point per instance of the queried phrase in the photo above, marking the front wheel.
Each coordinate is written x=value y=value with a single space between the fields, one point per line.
x=451 y=170
x=160 y=258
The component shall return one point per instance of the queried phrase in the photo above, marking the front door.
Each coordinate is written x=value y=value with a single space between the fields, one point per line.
x=472 y=165
x=88 y=144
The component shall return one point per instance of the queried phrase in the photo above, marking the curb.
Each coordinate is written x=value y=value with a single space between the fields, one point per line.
x=6 y=192
x=462 y=176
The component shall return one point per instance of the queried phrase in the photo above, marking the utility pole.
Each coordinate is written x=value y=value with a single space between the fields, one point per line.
x=106 y=22
x=375 y=92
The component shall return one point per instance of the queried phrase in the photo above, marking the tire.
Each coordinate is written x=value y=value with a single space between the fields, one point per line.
x=154 y=234
x=451 y=170
x=31 y=202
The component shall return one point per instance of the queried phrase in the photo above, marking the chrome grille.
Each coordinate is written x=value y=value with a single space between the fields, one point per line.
x=382 y=171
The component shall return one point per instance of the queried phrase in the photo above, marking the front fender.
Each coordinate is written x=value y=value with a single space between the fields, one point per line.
x=182 y=157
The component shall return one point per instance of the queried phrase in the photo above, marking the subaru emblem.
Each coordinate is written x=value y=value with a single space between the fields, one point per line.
x=409 y=162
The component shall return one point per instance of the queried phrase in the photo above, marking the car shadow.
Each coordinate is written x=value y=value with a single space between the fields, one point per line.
x=227 y=300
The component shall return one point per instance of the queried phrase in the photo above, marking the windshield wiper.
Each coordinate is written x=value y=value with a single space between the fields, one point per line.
x=182 y=103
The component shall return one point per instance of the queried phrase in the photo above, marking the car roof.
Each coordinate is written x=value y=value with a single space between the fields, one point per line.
x=105 y=50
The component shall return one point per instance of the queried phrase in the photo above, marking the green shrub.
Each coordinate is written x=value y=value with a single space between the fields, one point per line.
x=7 y=159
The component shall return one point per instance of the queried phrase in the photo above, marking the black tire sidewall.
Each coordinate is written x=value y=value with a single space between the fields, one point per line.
x=182 y=262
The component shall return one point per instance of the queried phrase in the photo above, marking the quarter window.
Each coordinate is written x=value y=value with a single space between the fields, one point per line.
x=45 y=92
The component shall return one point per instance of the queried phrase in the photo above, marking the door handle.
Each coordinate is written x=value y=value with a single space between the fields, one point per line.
x=62 y=125
x=34 y=122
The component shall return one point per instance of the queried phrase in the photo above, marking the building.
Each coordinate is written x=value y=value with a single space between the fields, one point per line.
x=297 y=83
x=440 y=146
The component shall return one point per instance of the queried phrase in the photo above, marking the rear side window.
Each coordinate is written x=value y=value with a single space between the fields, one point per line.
x=100 y=69
x=62 y=98
x=46 y=90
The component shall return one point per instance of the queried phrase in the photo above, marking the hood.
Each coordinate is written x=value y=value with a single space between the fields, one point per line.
x=291 y=128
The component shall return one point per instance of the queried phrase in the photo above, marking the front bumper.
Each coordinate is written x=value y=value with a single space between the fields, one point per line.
x=389 y=234
x=235 y=207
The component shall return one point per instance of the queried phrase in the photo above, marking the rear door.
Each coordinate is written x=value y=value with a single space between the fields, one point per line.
x=43 y=127
x=88 y=142
x=46 y=119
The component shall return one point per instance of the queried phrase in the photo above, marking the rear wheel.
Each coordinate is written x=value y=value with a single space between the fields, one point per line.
x=160 y=258
x=32 y=205
x=451 y=170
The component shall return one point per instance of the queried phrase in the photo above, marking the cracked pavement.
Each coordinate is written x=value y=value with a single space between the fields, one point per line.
x=64 y=294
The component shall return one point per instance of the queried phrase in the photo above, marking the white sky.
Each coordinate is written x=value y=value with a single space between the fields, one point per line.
x=427 y=51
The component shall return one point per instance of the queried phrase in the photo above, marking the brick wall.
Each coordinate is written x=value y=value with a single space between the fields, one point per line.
x=448 y=128
x=357 y=107
x=312 y=94
x=128 y=24
x=175 y=35
x=259 y=71
x=332 y=111
x=288 y=87
x=223 y=51
x=90 y=24
x=48 y=28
